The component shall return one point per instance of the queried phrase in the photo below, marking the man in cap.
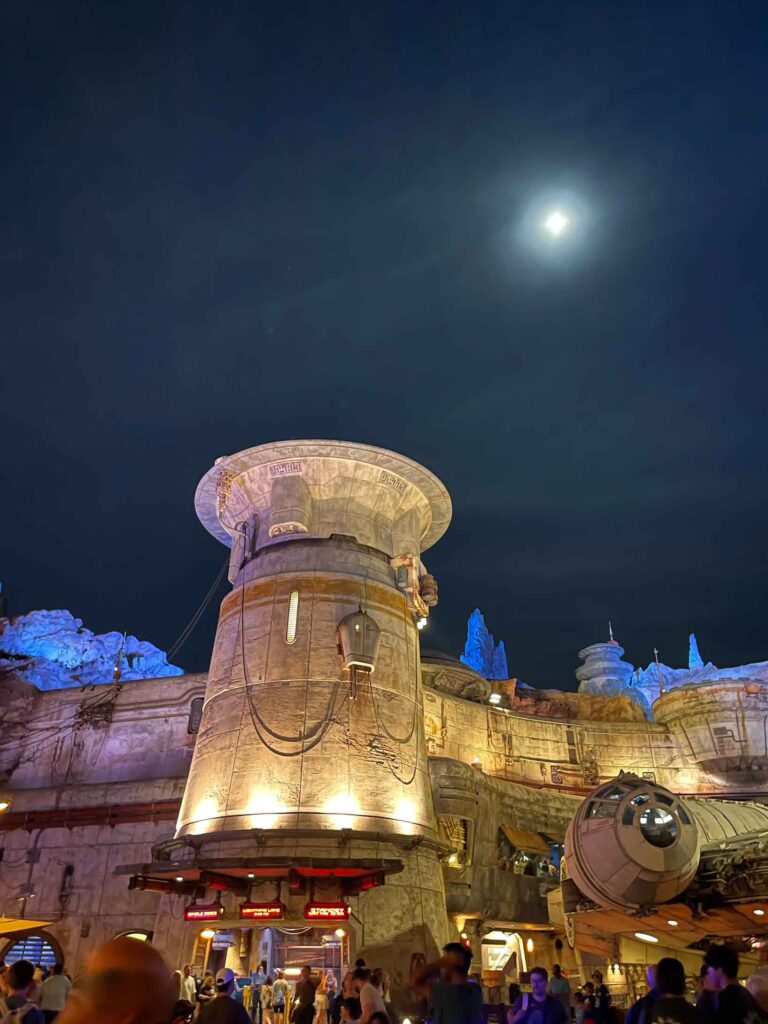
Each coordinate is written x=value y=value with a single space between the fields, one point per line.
x=223 y=1009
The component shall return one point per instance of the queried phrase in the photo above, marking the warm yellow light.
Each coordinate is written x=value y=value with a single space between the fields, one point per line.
x=5 y=803
x=645 y=937
x=529 y=945
x=405 y=811
x=207 y=933
x=207 y=808
x=672 y=924
x=293 y=617
x=292 y=972
x=758 y=913
x=556 y=223
x=264 y=808
x=453 y=860
x=341 y=809
x=179 y=878
x=464 y=935
x=340 y=933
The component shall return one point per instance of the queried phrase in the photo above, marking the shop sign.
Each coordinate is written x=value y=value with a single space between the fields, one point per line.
x=274 y=911
x=326 y=912
x=203 y=912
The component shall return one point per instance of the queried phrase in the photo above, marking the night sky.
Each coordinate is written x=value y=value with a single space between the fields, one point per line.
x=225 y=224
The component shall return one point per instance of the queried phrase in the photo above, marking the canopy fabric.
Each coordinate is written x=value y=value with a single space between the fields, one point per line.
x=528 y=842
x=10 y=925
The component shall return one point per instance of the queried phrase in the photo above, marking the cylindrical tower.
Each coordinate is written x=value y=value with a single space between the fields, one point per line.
x=313 y=727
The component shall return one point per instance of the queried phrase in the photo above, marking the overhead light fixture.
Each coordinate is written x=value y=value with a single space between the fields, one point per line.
x=207 y=933
x=5 y=803
x=340 y=933
x=179 y=878
x=758 y=912
x=645 y=937
x=251 y=874
x=495 y=698
x=464 y=935
x=672 y=924
x=529 y=946
x=453 y=860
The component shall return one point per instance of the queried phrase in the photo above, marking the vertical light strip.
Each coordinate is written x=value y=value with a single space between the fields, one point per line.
x=293 y=617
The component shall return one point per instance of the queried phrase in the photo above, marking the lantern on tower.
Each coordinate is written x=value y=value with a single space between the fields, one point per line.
x=359 y=638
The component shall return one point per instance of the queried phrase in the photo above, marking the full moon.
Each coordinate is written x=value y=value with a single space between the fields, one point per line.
x=556 y=223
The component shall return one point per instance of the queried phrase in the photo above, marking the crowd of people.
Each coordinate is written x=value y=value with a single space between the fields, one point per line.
x=128 y=982
x=719 y=999
x=34 y=993
x=271 y=999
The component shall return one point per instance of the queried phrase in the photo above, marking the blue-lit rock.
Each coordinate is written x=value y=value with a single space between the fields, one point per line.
x=480 y=651
x=694 y=658
x=53 y=650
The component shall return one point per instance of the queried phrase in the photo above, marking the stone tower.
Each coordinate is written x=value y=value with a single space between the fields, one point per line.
x=299 y=759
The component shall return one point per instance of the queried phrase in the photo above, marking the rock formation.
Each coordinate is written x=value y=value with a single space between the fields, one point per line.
x=694 y=658
x=480 y=651
x=53 y=650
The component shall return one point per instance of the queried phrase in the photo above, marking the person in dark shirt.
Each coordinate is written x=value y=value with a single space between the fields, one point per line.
x=732 y=1003
x=454 y=999
x=706 y=995
x=602 y=998
x=223 y=1009
x=538 y=1006
x=589 y=1003
x=304 y=1008
x=640 y=1011
x=670 y=1005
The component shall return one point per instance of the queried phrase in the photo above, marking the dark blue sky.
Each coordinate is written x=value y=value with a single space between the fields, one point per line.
x=227 y=224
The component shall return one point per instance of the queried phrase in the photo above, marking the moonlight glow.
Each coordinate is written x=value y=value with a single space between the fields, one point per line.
x=556 y=223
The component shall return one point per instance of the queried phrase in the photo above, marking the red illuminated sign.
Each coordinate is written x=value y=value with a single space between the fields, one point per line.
x=203 y=912
x=262 y=911
x=326 y=912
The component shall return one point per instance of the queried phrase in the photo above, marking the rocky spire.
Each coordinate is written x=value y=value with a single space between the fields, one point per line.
x=695 y=660
x=499 y=668
x=480 y=651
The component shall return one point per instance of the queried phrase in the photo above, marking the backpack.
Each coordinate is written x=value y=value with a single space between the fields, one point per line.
x=15 y=1016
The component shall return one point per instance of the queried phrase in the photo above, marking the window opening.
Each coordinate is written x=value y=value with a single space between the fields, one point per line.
x=293 y=615
x=33 y=948
x=195 y=714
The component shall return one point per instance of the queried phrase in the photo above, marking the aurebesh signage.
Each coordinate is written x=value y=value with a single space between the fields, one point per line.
x=326 y=911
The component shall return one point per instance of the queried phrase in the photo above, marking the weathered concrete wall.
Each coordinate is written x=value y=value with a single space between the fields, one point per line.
x=99 y=749
x=244 y=775
x=708 y=740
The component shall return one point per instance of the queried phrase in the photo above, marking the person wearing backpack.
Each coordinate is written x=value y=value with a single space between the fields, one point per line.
x=15 y=1007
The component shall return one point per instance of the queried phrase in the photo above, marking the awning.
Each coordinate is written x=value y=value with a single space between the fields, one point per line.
x=528 y=842
x=11 y=925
